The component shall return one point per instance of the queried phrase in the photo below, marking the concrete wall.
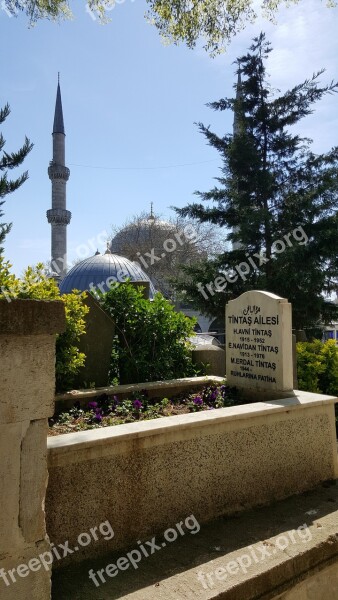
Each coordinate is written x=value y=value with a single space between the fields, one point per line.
x=27 y=375
x=143 y=477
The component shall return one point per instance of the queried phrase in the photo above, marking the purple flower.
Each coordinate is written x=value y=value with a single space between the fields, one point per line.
x=198 y=400
x=137 y=404
x=98 y=417
x=92 y=405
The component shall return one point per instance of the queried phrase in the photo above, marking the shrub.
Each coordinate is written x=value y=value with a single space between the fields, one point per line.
x=317 y=367
x=151 y=341
x=35 y=285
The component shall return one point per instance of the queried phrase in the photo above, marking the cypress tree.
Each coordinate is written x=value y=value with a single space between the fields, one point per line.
x=276 y=200
x=10 y=161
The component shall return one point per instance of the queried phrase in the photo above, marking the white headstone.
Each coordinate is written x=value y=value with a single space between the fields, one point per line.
x=259 y=344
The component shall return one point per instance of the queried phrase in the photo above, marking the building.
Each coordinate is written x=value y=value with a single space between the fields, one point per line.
x=58 y=216
x=96 y=273
x=152 y=244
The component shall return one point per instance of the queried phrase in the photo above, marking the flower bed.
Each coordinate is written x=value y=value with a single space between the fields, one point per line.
x=106 y=410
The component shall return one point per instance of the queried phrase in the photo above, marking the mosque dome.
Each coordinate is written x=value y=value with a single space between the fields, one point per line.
x=157 y=246
x=100 y=271
x=144 y=233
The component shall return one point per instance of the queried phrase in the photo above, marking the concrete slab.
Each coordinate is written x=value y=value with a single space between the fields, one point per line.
x=259 y=554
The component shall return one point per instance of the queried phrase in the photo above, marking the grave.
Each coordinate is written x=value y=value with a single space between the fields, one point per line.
x=259 y=345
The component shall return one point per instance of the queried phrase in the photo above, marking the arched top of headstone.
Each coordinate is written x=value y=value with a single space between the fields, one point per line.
x=261 y=293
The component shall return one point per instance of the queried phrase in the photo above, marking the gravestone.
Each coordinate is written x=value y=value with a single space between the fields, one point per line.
x=259 y=345
x=97 y=345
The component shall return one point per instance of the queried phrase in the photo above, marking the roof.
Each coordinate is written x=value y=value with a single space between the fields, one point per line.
x=151 y=232
x=58 y=126
x=102 y=270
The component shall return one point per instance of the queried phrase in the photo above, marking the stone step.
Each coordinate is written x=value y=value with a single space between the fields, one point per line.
x=259 y=554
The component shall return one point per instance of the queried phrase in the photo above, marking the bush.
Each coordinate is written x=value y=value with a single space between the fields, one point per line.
x=35 y=285
x=151 y=341
x=317 y=367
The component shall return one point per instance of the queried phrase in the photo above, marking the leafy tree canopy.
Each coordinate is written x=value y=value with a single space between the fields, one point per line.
x=215 y=21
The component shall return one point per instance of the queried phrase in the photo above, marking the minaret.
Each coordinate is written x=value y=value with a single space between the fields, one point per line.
x=58 y=173
x=236 y=131
x=239 y=97
x=151 y=216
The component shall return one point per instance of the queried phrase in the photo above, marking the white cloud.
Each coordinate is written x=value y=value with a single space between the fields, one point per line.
x=304 y=40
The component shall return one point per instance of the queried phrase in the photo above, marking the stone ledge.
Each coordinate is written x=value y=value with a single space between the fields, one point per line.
x=64 y=445
x=32 y=317
x=153 y=387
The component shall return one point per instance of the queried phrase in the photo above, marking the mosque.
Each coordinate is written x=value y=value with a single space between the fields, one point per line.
x=98 y=272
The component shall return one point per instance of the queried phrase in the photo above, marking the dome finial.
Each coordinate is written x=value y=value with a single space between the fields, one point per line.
x=108 y=248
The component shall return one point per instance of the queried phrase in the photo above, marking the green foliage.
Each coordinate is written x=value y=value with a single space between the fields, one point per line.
x=36 y=285
x=68 y=358
x=317 y=367
x=275 y=199
x=10 y=161
x=7 y=279
x=151 y=337
x=216 y=22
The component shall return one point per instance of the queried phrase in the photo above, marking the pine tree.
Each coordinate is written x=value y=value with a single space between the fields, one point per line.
x=277 y=200
x=8 y=162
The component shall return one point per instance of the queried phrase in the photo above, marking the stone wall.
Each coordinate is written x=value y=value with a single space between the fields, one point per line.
x=27 y=375
x=143 y=477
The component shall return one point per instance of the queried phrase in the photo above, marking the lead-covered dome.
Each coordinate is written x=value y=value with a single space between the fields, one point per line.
x=99 y=272
x=156 y=245
x=142 y=234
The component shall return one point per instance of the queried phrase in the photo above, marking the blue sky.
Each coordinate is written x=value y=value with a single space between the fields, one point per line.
x=130 y=104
